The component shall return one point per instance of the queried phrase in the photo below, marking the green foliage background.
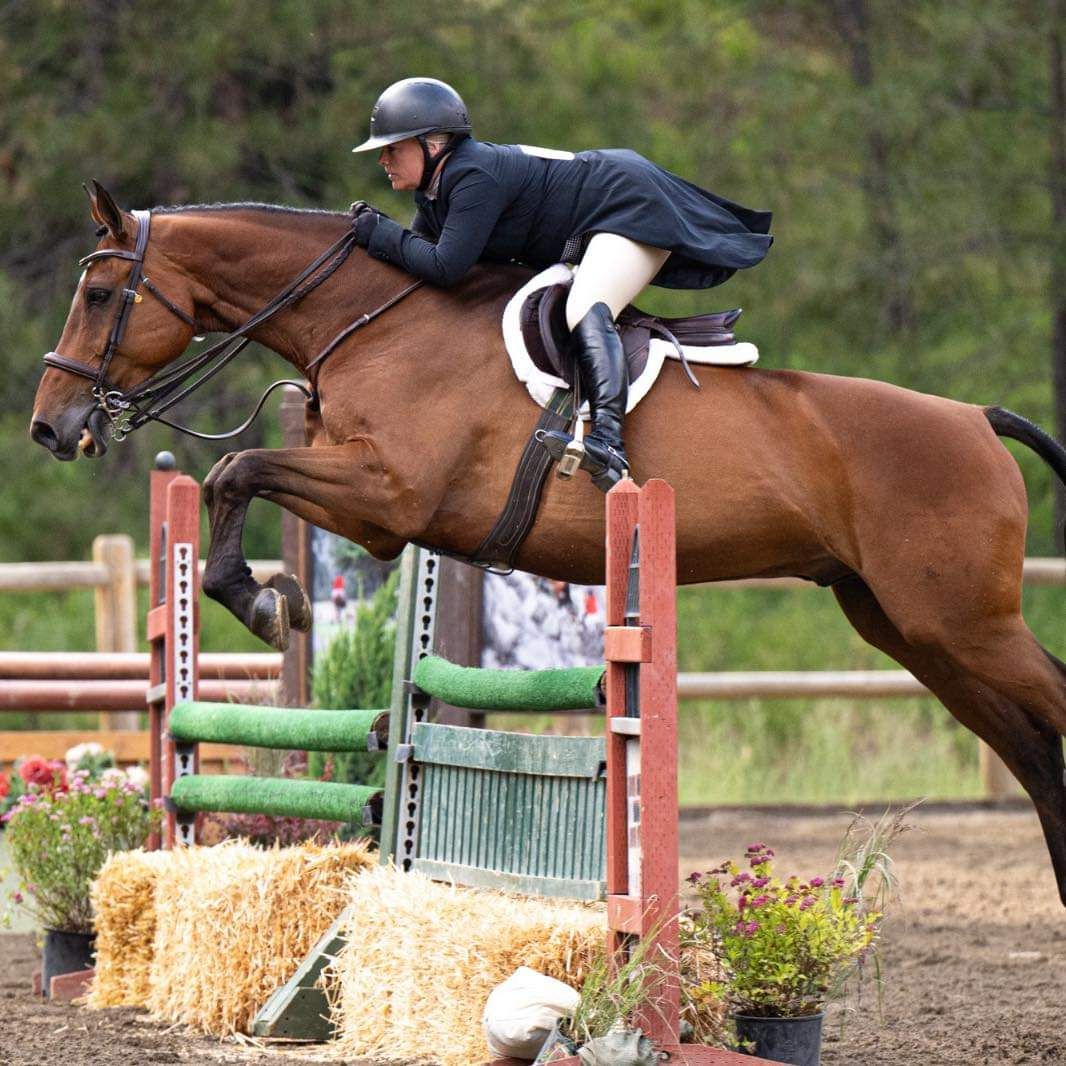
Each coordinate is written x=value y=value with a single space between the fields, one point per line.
x=907 y=149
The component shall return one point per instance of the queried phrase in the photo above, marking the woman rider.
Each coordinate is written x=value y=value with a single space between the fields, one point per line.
x=625 y=221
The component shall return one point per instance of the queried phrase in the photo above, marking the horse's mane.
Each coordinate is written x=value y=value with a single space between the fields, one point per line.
x=276 y=209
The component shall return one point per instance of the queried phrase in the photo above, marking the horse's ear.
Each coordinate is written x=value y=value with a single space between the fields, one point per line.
x=104 y=210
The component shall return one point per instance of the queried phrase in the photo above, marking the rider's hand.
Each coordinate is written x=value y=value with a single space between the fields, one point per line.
x=364 y=221
x=364 y=225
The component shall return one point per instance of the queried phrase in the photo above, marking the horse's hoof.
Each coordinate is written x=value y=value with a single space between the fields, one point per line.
x=270 y=618
x=300 y=613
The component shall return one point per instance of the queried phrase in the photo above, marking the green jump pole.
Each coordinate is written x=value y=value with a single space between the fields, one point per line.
x=279 y=727
x=331 y=801
x=575 y=689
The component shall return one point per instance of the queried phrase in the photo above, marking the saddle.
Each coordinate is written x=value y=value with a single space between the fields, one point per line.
x=537 y=338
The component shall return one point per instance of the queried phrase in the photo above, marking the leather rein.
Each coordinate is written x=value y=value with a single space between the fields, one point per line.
x=147 y=402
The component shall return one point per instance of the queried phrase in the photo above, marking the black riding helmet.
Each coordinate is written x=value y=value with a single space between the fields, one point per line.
x=416 y=107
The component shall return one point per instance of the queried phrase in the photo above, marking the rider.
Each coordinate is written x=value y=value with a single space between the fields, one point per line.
x=624 y=220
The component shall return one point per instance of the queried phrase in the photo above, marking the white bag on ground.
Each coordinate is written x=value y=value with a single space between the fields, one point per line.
x=521 y=1012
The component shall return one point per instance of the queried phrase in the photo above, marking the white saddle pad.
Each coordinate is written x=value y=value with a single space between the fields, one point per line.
x=541 y=384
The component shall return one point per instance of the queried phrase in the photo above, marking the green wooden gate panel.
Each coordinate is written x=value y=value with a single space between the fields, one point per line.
x=512 y=811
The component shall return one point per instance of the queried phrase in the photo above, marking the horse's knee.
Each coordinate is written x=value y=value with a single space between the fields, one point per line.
x=230 y=478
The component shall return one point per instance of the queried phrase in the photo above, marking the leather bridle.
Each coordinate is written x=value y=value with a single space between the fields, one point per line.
x=130 y=409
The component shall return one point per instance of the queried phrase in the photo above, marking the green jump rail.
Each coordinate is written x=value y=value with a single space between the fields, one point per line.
x=282 y=728
x=331 y=801
x=575 y=689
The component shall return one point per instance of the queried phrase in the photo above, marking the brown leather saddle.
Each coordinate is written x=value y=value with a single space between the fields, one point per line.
x=543 y=322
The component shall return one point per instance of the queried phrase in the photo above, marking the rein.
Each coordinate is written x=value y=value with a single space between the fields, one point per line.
x=148 y=401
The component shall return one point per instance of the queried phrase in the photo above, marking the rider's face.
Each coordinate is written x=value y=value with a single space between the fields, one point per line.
x=402 y=162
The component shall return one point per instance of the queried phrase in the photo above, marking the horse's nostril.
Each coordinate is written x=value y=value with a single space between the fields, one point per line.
x=43 y=433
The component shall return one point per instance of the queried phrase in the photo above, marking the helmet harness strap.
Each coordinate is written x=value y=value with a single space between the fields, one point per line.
x=429 y=162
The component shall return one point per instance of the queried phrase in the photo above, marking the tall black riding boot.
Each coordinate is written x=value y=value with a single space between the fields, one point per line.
x=601 y=364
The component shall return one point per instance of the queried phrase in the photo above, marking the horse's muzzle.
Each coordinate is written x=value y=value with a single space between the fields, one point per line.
x=86 y=433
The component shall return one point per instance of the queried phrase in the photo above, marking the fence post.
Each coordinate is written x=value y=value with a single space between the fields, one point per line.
x=116 y=610
x=996 y=780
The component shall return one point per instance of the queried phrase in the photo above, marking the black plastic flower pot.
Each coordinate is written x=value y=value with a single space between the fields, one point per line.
x=65 y=952
x=797 y=1041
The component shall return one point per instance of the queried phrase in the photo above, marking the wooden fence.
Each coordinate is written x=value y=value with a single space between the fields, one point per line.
x=114 y=574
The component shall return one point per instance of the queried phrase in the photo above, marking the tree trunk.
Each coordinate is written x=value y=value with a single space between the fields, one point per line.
x=1057 y=278
x=853 y=25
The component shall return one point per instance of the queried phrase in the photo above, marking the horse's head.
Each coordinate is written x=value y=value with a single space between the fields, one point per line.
x=114 y=339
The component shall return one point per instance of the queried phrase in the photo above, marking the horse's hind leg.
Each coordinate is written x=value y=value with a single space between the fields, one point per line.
x=1030 y=747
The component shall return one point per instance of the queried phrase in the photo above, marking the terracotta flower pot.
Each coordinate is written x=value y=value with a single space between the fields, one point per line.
x=797 y=1041
x=65 y=952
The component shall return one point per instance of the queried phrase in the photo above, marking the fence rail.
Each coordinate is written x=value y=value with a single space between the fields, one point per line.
x=60 y=576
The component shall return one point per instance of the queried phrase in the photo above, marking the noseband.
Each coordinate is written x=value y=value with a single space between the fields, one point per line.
x=129 y=410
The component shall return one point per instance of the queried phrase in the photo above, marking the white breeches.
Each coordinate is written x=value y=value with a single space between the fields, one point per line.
x=614 y=270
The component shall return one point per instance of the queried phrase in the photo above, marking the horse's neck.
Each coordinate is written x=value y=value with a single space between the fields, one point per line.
x=239 y=261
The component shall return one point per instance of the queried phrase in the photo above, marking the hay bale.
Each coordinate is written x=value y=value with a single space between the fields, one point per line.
x=422 y=958
x=234 y=921
x=123 y=901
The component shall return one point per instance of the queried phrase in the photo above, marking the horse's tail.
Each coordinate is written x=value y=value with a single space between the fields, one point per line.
x=1008 y=424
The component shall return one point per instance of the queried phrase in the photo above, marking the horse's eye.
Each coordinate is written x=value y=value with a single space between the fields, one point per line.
x=98 y=296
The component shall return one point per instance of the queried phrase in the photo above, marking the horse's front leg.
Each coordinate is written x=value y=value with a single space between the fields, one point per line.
x=322 y=485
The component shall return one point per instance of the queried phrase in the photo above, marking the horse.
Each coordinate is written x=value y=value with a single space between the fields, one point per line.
x=907 y=505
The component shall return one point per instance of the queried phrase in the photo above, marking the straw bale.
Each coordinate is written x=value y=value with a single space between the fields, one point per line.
x=421 y=959
x=234 y=921
x=123 y=900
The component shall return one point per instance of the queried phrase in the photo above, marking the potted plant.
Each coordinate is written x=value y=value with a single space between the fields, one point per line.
x=789 y=946
x=59 y=832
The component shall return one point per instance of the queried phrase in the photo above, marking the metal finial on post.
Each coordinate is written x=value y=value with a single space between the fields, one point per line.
x=166 y=461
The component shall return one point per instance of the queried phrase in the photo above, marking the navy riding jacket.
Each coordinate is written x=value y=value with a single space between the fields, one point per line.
x=499 y=203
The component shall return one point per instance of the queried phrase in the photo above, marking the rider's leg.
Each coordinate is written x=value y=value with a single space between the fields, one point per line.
x=612 y=273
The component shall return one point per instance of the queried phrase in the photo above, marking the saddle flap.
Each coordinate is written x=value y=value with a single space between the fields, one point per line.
x=537 y=340
x=547 y=339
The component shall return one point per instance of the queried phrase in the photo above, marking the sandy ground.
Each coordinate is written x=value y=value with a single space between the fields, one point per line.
x=975 y=957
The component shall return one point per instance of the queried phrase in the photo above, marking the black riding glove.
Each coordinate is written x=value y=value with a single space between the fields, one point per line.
x=364 y=221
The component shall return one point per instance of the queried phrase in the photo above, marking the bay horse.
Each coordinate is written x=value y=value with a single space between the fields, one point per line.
x=906 y=504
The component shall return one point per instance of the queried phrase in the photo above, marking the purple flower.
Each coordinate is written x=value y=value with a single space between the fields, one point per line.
x=751 y=929
x=837 y=882
x=807 y=903
x=759 y=901
x=742 y=903
x=817 y=882
x=17 y=897
x=87 y=820
x=694 y=878
x=753 y=848
x=740 y=879
x=100 y=793
x=760 y=882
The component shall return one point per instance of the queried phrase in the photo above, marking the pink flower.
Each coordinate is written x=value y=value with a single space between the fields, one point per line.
x=807 y=903
x=817 y=882
x=5 y=785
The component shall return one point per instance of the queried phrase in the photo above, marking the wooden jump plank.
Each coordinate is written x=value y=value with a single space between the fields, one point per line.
x=122 y=695
x=128 y=746
x=118 y=666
